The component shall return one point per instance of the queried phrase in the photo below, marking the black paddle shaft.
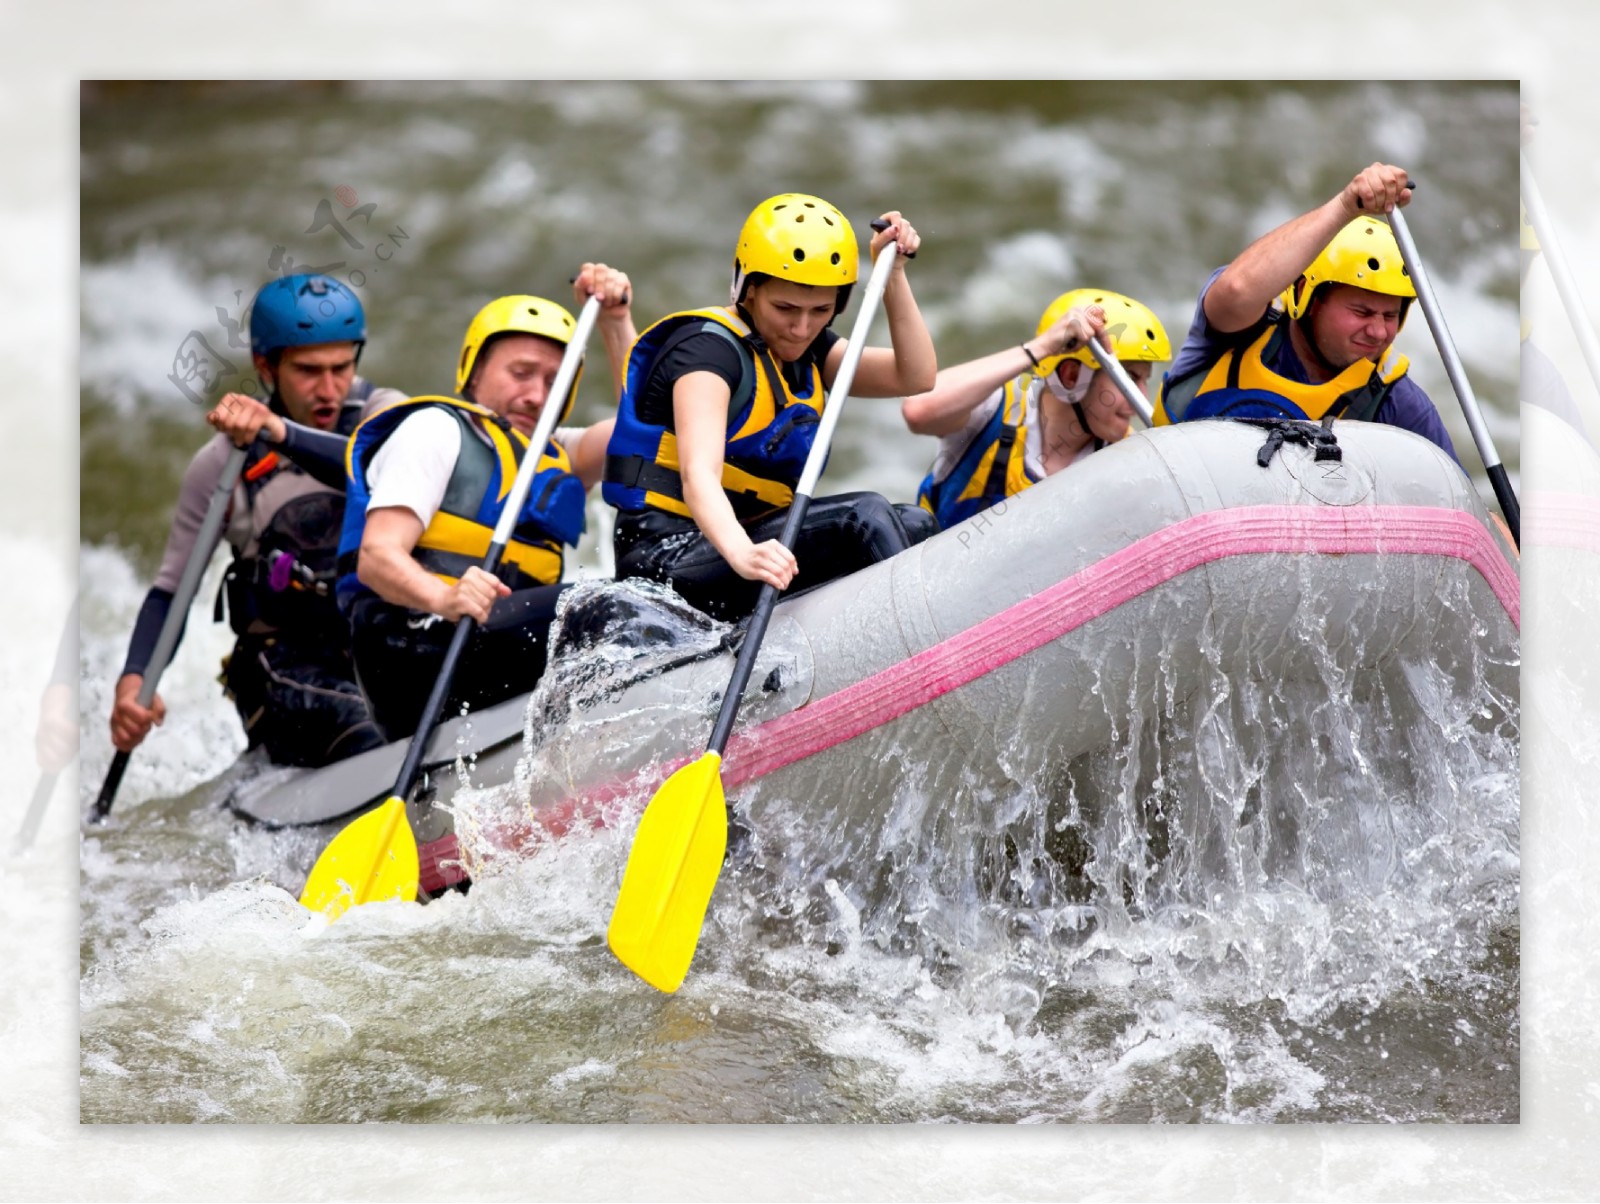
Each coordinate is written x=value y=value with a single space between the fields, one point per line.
x=441 y=689
x=755 y=633
x=178 y=611
x=1507 y=497
x=109 y=788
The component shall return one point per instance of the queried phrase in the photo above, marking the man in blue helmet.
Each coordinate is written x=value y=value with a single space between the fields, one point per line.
x=290 y=673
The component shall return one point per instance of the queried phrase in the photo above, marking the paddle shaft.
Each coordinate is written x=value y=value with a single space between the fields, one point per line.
x=1119 y=374
x=548 y=417
x=177 y=614
x=1566 y=286
x=756 y=631
x=1458 y=377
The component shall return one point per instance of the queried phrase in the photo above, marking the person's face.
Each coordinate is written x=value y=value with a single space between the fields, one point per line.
x=788 y=316
x=313 y=381
x=1106 y=409
x=1350 y=324
x=514 y=378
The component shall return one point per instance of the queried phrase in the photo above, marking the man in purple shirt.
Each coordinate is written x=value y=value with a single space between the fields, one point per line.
x=1301 y=324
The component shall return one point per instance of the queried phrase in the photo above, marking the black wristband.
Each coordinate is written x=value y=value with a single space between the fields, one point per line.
x=1029 y=354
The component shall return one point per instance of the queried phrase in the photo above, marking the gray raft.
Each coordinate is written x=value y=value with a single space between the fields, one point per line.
x=998 y=652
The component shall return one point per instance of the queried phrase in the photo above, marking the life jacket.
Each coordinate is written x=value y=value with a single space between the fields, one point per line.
x=770 y=426
x=994 y=465
x=1240 y=385
x=460 y=532
x=991 y=469
x=285 y=533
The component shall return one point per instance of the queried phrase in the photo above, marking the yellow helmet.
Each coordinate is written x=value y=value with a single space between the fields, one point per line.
x=520 y=314
x=1530 y=240
x=796 y=237
x=1136 y=334
x=1363 y=254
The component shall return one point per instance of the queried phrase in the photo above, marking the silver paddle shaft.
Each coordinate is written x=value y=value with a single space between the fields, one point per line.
x=548 y=417
x=210 y=526
x=1446 y=345
x=834 y=405
x=1134 y=394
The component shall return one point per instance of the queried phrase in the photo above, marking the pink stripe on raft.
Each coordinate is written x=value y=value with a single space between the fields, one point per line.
x=1035 y=621
x=1103 y=586
x=1561 y=520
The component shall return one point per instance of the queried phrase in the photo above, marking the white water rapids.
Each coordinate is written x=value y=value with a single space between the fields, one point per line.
x=46 y=1154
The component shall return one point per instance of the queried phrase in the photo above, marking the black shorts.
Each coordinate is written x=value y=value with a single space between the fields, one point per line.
x=398 y=654
x=300 y=703
x=840 y=535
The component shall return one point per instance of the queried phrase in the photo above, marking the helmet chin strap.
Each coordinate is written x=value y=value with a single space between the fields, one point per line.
x=1075 y=393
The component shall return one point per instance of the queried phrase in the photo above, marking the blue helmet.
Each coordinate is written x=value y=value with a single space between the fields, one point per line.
x=300 y=311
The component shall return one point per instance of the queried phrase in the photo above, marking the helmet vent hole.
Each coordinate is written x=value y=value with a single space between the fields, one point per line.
x=785 y=205
x=1372 y=262
x=799 y=217
x=799 y=255
x=827 y=219
x=810 y=205
x=835 y=258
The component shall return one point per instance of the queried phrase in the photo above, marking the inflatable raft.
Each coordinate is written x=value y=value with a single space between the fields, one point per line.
x=994 y=655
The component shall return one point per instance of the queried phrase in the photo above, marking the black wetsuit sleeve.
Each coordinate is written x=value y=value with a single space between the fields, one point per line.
x=147 y=630
x=706 y=351
x=320 y=453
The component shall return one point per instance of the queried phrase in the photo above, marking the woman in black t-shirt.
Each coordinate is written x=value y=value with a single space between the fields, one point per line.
x=721 y=406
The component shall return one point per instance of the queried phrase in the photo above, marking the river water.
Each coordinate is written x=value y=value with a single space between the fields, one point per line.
x=1380 y=983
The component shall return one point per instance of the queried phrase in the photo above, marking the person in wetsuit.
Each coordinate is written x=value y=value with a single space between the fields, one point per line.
x=290 y=674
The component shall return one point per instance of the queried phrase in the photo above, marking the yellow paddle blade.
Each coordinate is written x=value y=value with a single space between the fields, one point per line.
x=374 y=858
x=672 y=870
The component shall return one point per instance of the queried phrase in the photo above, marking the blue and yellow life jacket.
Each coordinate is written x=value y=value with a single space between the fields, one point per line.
x=770 y=426
x=992 y=468
x=1240 y=385
x=459 y=534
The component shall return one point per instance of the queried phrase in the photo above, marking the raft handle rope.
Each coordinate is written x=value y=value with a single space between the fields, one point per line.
x=1299 y=432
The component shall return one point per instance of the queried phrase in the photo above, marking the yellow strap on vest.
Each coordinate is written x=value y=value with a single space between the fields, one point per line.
x=763 y=410
x=1313 y=400
x=448 y=533
x=1014 y=404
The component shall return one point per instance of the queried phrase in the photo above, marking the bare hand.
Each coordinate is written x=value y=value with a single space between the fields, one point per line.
x=900 y=232
x=130 y=722
x=769 y=561
x=472 y=596
x=1377 y=189
x=1072 y=331
x=241 y=418
x=607 y=283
